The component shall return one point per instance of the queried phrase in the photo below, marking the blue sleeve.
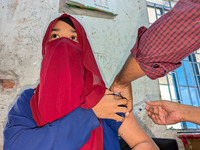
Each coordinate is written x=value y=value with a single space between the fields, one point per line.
x=110 y=137
x=113 y=124
x=70 y=132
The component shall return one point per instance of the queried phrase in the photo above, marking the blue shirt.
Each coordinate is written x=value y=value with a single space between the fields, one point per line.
x=68 y=133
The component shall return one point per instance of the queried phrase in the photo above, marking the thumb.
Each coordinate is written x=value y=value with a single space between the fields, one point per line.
x=107 y=92
x=129 y=106
x=154 y=103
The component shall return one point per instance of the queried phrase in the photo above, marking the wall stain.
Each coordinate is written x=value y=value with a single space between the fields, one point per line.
x=12 y=5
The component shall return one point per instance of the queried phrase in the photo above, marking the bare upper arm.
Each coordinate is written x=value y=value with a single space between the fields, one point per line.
x=133 y=134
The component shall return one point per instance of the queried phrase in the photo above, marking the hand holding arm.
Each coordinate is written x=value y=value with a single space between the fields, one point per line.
x=125 y=91
x=167 y=112
x=109 y=105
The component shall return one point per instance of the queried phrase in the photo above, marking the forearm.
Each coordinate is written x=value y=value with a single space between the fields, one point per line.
x=190 y=114
x=130 y=72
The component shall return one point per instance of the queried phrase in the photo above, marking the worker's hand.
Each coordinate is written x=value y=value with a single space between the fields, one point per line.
x=109 y=105
x=164 y=112
x=125 y=91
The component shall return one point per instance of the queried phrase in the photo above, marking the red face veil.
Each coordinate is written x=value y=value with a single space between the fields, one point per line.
x=63 y=87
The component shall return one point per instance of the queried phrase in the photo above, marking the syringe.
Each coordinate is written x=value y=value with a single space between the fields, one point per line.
x=139 y=109
x=136 y=110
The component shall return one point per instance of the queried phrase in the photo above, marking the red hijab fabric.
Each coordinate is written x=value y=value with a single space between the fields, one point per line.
x=63 y=87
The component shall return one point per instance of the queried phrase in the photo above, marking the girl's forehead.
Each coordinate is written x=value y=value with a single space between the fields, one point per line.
x=60 y=25
x=68 y=21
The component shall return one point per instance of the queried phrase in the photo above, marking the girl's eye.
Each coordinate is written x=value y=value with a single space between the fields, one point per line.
x=74 y=38
x=55 y=36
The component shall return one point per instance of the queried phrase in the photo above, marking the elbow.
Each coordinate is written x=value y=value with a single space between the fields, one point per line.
x=156 y=147
x=146 y=145
x=152 y=146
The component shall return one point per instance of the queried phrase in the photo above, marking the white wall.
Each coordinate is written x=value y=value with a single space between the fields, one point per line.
x=22 y=25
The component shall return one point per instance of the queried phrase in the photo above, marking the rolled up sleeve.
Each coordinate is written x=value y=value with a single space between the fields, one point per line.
x=160 y=48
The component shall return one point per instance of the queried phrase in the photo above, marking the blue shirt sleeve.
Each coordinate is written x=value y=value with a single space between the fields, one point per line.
x=113 y=124
x=110 y=135
x=70 y=132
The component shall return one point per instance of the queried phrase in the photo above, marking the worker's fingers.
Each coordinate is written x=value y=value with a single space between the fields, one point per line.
x=149 y=114
x=127 y=113
x=149 y=109
x=108 y=92
x=153 y=109
x=156 y=118
x=121 y=109
x=118 y=118
x=154 y=103
x=122 y=102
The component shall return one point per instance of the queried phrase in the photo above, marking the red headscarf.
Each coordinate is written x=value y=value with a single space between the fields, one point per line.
x=62 y=87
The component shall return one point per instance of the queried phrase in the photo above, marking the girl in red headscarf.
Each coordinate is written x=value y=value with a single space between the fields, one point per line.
x=61 y=113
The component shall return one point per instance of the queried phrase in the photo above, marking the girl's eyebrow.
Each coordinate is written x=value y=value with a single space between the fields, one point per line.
x=74 y=31
x=55 y=30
